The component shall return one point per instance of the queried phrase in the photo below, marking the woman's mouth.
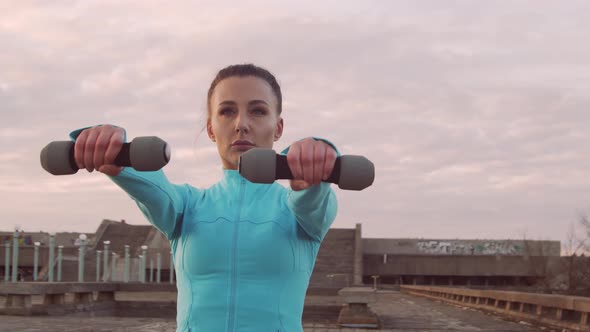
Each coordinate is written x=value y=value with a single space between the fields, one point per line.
x=242 y=145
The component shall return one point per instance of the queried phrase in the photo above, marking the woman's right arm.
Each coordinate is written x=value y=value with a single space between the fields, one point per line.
x=160 y=201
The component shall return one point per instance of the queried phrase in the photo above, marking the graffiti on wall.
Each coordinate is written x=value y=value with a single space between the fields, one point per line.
x=22 y=240
x=469 y=248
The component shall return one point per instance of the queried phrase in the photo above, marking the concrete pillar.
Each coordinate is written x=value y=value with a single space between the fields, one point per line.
x=36 y=261
x=15 y=255
x=375 y=282
x=358 y=256
x=51 y=256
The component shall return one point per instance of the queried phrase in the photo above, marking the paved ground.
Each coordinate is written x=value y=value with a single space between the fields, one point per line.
x=399 y=313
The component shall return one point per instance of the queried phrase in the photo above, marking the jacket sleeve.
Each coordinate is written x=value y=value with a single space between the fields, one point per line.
x=160 y=201
x=314 y=208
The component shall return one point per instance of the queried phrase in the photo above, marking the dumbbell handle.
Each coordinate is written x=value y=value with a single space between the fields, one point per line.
x=350 y=172
x=148 y=153
x=124 y=157
x=283 y=172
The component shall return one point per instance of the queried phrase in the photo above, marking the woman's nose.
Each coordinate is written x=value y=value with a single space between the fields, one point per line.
x=242 y=123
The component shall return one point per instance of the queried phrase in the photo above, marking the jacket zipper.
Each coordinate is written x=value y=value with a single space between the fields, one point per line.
x=230 y=327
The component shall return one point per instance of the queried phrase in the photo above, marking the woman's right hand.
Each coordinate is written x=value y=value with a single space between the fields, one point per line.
x=98 y=147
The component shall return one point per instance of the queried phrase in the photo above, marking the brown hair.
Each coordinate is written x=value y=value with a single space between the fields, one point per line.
x=243 y=70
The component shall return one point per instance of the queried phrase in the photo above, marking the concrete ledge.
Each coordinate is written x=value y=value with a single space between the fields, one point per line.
x=41 y=288
x=358 y=295
x=356 y=313
x=540 y=308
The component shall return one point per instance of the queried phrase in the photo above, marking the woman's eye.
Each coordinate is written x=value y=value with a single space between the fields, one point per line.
x=226 y=111
x=259 y=111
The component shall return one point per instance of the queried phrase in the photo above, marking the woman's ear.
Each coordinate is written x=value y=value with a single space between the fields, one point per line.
x=279 y=129
x=210 y=131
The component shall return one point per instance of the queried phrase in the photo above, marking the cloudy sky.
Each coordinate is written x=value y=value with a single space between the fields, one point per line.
x=475 y=113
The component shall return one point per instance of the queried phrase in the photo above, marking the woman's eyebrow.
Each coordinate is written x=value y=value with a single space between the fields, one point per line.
x=251 y=102
x=227 y=102
x=257 y=101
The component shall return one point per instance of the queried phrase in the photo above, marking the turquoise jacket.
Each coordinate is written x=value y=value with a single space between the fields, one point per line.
x=243 y=252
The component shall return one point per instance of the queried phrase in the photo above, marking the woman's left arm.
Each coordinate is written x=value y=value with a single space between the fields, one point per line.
x=312 y=201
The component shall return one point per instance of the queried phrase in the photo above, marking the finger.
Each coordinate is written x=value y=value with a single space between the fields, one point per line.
x=111 y=170
x=307 y=161
x=79 y=148
x=293 y=160
x=115 y=146
x=319 y=154
x=329 y=162
x=89 y=149
x=297 y=185
x=102 y=142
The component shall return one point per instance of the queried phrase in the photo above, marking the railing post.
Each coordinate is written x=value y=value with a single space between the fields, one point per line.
x=151 y=270
x=171 y=267
x=114 y=267
x=36 y=261
x=98 y=252
x=139 y=274
x=15 y=254
x=144 y=260
x=106 y=261
x=584 y=319
x=126 y=273
x=159 y=265
x=7 y=261
x=59 y=259
x=81 y=254
x=51 y=256
x=559 y=314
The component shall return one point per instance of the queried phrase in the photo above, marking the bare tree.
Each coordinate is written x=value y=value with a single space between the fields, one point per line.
x=576 y=248
x=537 y=254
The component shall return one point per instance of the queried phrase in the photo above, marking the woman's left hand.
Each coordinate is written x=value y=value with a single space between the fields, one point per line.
x=311 y=162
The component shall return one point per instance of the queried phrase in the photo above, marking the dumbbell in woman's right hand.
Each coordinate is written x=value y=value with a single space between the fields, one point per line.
x=102 y=148
x=97 y=148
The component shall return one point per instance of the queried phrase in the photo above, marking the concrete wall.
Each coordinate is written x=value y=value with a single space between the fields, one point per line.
x=398 y=265
x=335 y=259
x=461 y=247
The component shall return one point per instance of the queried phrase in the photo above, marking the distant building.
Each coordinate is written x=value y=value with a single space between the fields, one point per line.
x=345 y=258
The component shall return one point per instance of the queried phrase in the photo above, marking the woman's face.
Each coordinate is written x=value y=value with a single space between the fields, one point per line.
x=243 y=115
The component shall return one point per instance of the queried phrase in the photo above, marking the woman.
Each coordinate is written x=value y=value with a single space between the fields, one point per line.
x=243 y=252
